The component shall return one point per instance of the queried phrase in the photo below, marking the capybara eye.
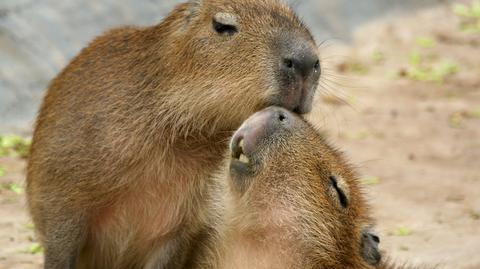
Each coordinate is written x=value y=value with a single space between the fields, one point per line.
x=341 y=194
x=225 y=23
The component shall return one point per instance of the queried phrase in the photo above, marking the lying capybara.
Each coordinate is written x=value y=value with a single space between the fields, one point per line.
x=288 y=200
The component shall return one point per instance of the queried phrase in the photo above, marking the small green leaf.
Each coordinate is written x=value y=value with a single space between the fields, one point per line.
x=12 y=145
x=30 y=226
x=475 y=10
x=9 y=141
x=461 y=10
x=447 y=68
x=402 y=231
x=370 y=181
x=470 y=17
x=3 y=152
x=15 y=188
x=2 y=171
x=34 y=248
x=378 y=56
x=430 y=72
x=474 y=113
x=415 y=58
x=419 y=74
x=358 y=68
x=455 y=120
x=425 y=42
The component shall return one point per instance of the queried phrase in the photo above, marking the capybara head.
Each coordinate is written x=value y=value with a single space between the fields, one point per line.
x=289 y=186
x=244 y=55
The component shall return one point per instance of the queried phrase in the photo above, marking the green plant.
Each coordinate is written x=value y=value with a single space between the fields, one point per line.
x=12 y=145
x=370 y=181
x=12 y=187
x=30 y=226
x=357 y=68
x=378 y=57
x=402 y=231
x=425 y=42
x=474 y=113
x=34 y=248
x=424 y=69
x=15 y=188
x=2 y=171
x=470 y=15
x=455 y=120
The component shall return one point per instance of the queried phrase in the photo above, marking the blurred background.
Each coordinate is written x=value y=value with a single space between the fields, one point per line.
x=400 y=94
x=39 y=37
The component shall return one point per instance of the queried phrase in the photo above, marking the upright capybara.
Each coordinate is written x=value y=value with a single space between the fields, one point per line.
x=131 y=130
x=287 y=200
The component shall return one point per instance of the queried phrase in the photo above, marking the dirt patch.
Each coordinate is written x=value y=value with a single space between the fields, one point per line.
x=411 y=121
x=404 y=104
x=18 y=249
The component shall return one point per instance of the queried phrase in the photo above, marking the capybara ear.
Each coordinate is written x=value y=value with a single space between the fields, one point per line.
x=193 y=9
x=195 y=4
x=369 y=248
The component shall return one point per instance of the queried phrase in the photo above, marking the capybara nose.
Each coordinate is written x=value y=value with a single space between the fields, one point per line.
x=259 y=127
x=302 y=66
x=299 y=67
x=369 y=248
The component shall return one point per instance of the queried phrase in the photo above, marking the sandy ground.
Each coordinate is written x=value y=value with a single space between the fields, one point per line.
x=416 y=143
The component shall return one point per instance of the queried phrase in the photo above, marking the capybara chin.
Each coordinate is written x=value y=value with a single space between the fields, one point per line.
x=130 y=131
x=288 y=200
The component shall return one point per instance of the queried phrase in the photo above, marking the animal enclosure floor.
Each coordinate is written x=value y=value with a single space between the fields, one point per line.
x=408 y=116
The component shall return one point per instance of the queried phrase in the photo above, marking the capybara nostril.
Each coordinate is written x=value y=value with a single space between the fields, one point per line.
x=375 y=238
x=288 y=63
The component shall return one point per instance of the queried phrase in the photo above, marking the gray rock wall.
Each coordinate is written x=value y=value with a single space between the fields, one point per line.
x=39 y=37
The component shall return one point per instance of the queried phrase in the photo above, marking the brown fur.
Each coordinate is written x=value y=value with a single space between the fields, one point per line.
x=288 y=214
x=131 y=130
